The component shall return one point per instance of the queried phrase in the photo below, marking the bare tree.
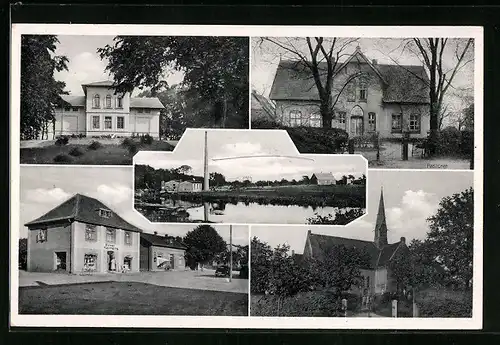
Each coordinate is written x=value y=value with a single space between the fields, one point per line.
x=442 y=71
x=321 y=56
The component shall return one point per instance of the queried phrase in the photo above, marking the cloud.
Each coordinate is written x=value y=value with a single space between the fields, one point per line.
x=410 y=218
x=114 y=194
x=47 y=196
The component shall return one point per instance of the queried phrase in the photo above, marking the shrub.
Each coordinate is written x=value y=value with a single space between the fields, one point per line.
x=76 y=152
x=147 y=139
x=449 y=141
x=62 y=158
x=244 y=272
x=318 y=140
x=62 y=140
x=94 y=145
x=265 y=124
x=127 y=142
x=132 y=148
x=445 y=304
x=467 y=143
x=81 y=135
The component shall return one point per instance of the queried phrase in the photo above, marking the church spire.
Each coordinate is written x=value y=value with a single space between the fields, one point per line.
x=381 y=225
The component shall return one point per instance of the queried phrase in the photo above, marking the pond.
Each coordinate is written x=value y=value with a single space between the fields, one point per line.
x=240 y=212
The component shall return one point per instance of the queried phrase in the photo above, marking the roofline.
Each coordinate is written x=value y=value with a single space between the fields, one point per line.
x=34 y=222
x=161 y=245
x=108 y=226
x=394 y=252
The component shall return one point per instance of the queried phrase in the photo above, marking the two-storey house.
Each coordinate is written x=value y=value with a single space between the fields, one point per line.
x=368 y=97
x=82 y=234
x=102 y=111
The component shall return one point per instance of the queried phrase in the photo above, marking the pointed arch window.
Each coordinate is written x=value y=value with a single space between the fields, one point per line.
x=96 y=102
x=108 y=101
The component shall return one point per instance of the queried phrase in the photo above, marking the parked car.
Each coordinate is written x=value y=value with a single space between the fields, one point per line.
x=222 y=271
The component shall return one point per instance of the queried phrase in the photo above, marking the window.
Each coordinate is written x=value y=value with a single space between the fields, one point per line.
x=96 y=102
x=96 y=122
x=104 y=213
x=351 y=93
x=120 y=122
x=147 y=111
x=90 y=262
x=119 y=102
x=372 y=126
x=67 y=109
x=41 y=236
x=107 y=122
x=128 y=237
x=75 y=109
x=108 y=101
x=342 y=115
x=362 y=94
x=140 y=110
x=396 y=122
x=90 y=233
x=414 y=125
x=295 y=118
x=110 y=235
x=315 y=120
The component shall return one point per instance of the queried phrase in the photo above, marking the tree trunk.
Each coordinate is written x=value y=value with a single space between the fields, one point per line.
x=326 y=114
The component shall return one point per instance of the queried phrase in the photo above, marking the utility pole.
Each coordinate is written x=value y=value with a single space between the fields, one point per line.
x=230 y=253
x=205 y=165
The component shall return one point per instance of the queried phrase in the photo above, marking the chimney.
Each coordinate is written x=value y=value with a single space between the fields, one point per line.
x=358 y=49
x=293 y=252
x=374 y=61
x=403 y=240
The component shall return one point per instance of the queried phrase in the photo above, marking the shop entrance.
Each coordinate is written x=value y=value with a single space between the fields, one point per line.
x=111 y=261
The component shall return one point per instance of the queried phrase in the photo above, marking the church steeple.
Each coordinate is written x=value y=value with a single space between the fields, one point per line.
x=381 y=225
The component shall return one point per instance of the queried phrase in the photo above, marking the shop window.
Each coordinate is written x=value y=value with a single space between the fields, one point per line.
x=90 y=233
x=90 y=262
x=110 y=235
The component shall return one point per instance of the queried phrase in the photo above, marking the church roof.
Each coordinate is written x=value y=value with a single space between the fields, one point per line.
x=402 y=83
x=83 y=209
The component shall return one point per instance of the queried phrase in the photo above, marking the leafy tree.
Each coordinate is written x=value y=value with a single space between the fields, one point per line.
x=261 y=254
x=23 y=252
x=216 y=68
x=340 y=218
x=183 y=169
x=321 y=57
x=451 y=236
x=216 y=179
x=204 y=243
x=39 y=89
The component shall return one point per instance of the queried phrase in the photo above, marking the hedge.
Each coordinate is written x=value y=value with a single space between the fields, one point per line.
x=453 y=142
x=445 y=304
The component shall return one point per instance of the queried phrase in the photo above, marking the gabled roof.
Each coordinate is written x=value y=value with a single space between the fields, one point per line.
x=83 y=209
x=323 y=176
x=74 y=101
x=387 y=253
x=100 y=83
x=146 y=102
x=321 y=244
x=403 y=83
x=162 y=241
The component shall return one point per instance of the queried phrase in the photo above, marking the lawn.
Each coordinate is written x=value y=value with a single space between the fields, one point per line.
x=129 y=298
x=108 y=154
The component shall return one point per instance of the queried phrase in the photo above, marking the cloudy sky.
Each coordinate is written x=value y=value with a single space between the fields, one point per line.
x=85 y=65
x=44 y=187
x=265 y=58
x=247 y=145
x=410 y=197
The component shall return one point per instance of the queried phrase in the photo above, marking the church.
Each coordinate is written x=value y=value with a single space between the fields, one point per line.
x=102 y=112
x=377 y=275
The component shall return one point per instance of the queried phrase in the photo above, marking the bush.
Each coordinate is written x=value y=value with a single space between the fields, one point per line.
x=76 y=152
x=62 y=140
x=265 y=124
x=445 y=304
x=127 y=142
x=318 y=140
x=94 y=145
x=81 y=135
x=147 y=139
x=467 y=143
x=62 y=158
x=244 y=272
x=132 y=148
x=449 y=141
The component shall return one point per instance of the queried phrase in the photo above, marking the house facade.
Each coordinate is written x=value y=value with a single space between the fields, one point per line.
x=190 y=186
x=323 y=179
x=82 y=234
x=376 y=276
x=102 y=111
x=159 y=253
x=370 y=97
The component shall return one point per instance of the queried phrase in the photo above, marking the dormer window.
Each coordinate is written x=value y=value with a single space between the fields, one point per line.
x=108 y=101
x=104 y=213
x=96 y=102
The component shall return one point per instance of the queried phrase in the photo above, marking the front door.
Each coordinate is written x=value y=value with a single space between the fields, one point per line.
x=61 y=261
x=356 y=126
x=172 y=261
x=111 y=261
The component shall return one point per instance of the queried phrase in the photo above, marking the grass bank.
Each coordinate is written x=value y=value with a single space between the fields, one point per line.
x=129 y=298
